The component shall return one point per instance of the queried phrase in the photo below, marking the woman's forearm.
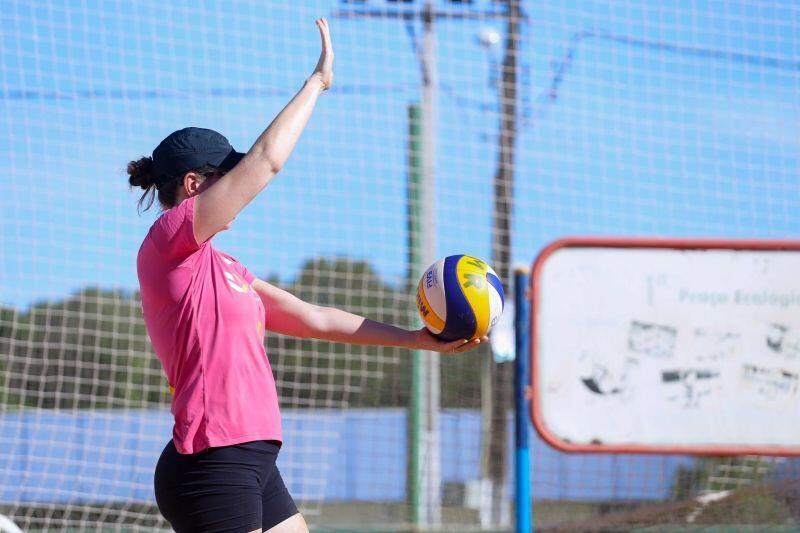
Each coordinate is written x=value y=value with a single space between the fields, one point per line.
x=341 y=326
x=276 y=143
x=289 y=315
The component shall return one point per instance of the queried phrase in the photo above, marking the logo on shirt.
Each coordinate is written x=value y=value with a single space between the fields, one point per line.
x=236 y=283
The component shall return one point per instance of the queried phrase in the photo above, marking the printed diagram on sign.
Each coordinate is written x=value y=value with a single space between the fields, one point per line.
x=715 y=346
x=696 y=367
x=605 y=380
x=690 y=386
x=770 y=383
x=686 y=386
x=652 y=339
x=601 y=376
x=782 y=340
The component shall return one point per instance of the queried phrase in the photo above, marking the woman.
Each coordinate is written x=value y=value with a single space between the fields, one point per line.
x=205 y=314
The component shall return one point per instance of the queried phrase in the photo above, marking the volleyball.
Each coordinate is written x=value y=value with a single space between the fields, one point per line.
x=460 y=297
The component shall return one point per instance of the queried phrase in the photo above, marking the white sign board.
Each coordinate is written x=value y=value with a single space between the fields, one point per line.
x=667 y=347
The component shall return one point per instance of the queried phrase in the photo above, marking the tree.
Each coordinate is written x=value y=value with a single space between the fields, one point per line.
x=91 y=350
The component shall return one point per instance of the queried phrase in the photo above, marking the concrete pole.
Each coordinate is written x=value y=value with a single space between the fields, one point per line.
x=426 y=471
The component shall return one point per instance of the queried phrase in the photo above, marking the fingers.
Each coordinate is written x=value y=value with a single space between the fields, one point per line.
x=324 y=33
x=324 y=68
x=452 y=347
x=463 y=345
x=469 y=345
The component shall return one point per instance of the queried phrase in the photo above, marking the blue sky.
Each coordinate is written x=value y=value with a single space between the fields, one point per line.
x=685 y=123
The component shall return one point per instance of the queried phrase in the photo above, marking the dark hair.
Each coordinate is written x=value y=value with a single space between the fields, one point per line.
x=141 y=174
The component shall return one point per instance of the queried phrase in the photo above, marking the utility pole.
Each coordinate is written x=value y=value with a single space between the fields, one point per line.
x=424 y=477
x=497 y=377
x=424 y=458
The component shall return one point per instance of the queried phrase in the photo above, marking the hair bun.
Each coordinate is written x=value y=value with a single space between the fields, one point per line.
x=141 y=173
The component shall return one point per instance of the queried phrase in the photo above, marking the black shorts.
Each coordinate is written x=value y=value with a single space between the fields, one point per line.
x=234 y=489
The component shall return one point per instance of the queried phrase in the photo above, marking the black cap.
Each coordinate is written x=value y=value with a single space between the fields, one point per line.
x=191 y=148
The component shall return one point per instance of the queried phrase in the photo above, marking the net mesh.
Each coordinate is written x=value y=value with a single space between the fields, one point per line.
x=635 y=118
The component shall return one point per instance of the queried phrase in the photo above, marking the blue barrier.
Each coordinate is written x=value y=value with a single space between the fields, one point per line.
x=328 y=455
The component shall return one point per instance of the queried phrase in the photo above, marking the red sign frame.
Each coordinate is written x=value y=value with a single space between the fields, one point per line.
x=638 y=242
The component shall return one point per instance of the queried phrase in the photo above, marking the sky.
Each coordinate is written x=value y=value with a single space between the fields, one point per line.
x=678 y=118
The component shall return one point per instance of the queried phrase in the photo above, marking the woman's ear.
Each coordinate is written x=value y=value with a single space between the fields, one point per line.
x=191 y=183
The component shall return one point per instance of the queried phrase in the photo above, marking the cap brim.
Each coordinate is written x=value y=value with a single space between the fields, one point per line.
x=231 y=159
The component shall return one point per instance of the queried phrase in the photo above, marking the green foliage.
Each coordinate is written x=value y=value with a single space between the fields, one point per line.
x=753 y=505
x=88 y=350
x=91 y=350
x=323 y=374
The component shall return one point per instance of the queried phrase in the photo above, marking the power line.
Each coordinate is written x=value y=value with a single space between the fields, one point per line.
x=561 y=67
x=187 y=94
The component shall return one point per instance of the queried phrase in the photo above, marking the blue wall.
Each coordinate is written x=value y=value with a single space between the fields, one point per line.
x=328 y=455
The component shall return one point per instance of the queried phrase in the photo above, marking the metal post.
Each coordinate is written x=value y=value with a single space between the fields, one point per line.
x=424 y=472
x=415 y=268
x=522 y=465
x=429 y=509
x=425 y=478
x=497 y=386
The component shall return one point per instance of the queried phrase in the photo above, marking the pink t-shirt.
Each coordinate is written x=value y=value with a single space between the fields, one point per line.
x=206 y=323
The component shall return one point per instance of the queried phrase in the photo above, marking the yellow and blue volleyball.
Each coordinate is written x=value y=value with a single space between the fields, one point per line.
x=460 y=297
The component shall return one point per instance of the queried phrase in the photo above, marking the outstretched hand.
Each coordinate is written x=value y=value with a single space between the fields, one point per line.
x=324 y=69
x=424 y=340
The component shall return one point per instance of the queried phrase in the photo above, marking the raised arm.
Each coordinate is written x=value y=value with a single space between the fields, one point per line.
x=217 y=206
x=288 y=315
